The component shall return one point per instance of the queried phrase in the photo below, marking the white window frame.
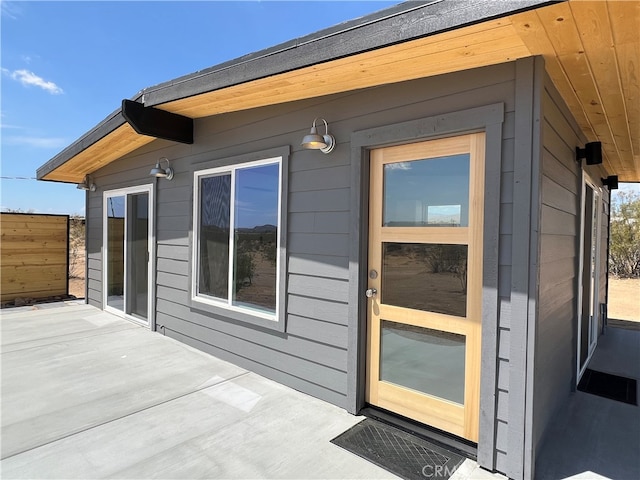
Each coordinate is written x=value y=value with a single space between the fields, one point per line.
x=195 y=270
x=125 y=192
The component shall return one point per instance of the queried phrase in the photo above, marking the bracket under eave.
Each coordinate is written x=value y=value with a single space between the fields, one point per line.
x=157 y=123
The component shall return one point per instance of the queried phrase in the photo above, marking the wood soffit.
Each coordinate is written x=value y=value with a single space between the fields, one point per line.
x=591 y=51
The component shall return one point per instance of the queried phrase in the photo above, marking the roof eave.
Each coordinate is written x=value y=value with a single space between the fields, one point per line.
x=401 y=23
x=104 y=128
x=395 y=25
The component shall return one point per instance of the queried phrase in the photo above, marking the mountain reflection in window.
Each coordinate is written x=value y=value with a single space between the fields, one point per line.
x=256 y=237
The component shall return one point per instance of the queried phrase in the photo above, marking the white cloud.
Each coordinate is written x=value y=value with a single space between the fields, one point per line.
x=2 y=115
x=10 y=9
x=27 y=78
x=398 y=166
x=36 y=142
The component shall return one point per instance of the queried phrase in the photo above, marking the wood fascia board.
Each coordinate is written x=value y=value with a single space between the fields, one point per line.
x=453 y=51
x=97 y=133
x=109 y=148
x=429 y=18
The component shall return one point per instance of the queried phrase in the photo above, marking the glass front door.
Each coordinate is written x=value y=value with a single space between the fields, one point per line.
x=425 y=281
x=127 y=247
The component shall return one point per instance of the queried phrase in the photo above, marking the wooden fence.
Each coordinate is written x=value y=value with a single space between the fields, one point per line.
x=34 y=256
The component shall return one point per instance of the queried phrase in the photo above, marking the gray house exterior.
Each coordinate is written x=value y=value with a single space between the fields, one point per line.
x=538 y=222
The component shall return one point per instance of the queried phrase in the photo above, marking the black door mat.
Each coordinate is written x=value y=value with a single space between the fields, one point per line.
x=610 y=386
x=399 y=452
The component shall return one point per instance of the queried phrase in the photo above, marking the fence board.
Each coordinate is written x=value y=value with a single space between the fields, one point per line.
x=34 y=255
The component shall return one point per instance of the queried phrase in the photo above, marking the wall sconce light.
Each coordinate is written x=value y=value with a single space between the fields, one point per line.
x=87 y=184
x=314 y=141
x=592 y=152
x=611 y=181
x=160 y=172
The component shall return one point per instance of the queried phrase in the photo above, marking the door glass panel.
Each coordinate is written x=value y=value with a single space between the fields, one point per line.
x=115 y=251
x=215 y=198
x=432 y=192
x=138 y=248
x=429 y=361
x=256 y=237
x=594 y=264
x=429 y=277
x=587 y=276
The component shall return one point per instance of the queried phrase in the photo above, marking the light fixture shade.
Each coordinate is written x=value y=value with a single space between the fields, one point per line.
x=314 y=141
x=160 y=172
x=611 y=181
x=592 y=153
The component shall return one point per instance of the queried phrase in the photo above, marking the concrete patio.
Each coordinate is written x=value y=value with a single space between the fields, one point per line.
x=86 y=394
x=594 y=437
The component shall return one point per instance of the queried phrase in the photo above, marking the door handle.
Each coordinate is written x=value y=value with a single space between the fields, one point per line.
x=371 y=292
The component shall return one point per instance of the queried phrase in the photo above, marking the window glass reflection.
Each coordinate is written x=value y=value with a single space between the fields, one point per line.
x=115 y=251
x=429 y=361
x=215 y=197
x=432 y=192
x=256 y=237
x=429 y=277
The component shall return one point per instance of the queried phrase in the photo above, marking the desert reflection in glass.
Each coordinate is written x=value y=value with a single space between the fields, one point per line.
x=256 y=237
x=239 y=231
x=115 y=251
x=423 y=276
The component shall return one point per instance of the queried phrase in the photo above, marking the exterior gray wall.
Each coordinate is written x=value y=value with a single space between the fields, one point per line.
x=312 y=354
x=559 y=252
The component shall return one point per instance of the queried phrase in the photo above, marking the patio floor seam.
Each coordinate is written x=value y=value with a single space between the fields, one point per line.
x=227 y=380
x=121 y=329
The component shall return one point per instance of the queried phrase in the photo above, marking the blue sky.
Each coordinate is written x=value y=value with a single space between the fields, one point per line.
x=67 y=65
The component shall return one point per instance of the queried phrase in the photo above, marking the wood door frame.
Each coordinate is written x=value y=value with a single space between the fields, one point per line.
x=490 y=119
x=460 y=420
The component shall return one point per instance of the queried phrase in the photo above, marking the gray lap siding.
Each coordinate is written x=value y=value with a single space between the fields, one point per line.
x=560 y=231
x=311 y=354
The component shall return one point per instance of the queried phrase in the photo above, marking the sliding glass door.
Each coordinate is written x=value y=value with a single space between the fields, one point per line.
x=127 y=247
x=589 y=274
